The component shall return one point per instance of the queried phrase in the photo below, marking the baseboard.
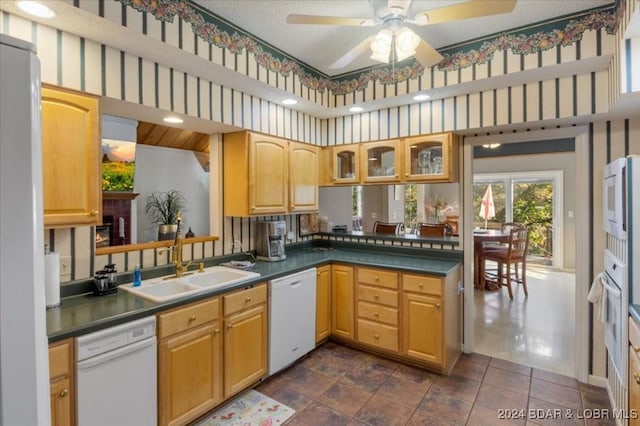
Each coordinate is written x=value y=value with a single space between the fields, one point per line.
x=598 y=381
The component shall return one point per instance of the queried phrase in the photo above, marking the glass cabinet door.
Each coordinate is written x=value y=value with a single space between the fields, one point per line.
x=380 y=161
x=428 y=157
x=345 y=164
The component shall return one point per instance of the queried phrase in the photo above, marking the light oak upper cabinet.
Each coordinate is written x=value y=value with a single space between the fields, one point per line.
x=71 y=169
x=189 y=362
x=61 y=395
x=380 y=161
x=431 y=158
x=323 y=302
x=342 y=298
x=255 y=174
x=245 y=338
x=303 y=177
x=342 y=164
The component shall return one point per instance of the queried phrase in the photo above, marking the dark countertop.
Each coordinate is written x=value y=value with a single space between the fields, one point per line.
x=86 y=313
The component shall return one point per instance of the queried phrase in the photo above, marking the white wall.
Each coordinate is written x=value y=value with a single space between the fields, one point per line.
x=161 y=169
x=539 y=162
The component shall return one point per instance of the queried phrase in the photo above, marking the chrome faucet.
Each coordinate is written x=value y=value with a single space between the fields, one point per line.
x=176 y=253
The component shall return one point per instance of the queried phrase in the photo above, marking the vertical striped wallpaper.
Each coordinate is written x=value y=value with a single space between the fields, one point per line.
x=82 y=64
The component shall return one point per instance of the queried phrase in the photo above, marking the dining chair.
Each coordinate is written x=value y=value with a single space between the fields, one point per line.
x=388 y=228
x=453 y=222
x=511 y=261
x=433 y=229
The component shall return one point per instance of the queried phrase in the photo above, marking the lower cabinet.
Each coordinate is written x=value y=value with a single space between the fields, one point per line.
x=323 y=302
x=61 y=394
x=422 y=327
x=245 y=338
x=342 y=309
x=189 y=362
x=377 y=308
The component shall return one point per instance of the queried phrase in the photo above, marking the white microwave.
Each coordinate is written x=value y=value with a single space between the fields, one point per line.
x=614 y=202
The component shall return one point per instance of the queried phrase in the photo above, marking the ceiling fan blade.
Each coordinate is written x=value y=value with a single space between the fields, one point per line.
x=351 y=55
x=460 y=11
x=328 y=20
x=399 y=6
x=427 y=55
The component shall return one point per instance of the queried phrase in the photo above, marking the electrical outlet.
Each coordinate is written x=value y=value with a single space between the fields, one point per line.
x=65 y=265
x=290 y=236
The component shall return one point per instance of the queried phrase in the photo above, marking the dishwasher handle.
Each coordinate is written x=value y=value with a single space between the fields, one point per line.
x=116 y=353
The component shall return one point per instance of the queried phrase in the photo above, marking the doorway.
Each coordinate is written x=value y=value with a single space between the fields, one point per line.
x=575 y=253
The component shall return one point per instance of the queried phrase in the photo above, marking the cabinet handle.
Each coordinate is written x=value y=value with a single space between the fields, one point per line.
x=375 y=314
x=248 y=299
x=636 y=377
x=636 y=348
x=375 y=336
x=333 y=178
x=437 y=305
x=406 y=174
x=216 y=331
x=192 y=318
x=377 y=278
x=253 y=208
x=397 y=176
x=420 y=285
x=229 y=326
x=376 y=297
x=64 y=392
x=94 y=213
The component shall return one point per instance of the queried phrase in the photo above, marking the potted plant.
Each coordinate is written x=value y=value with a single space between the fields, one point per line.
x=162 y=209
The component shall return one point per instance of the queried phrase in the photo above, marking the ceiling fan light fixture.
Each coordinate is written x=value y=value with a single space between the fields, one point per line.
x=381 y=46
x=406 y=43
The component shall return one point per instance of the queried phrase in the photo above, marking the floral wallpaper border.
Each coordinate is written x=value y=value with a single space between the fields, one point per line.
x=214 y=30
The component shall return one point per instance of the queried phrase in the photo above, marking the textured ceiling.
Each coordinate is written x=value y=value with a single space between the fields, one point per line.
x=320 y=46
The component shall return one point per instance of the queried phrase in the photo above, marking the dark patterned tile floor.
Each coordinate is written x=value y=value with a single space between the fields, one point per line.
x=338 y=385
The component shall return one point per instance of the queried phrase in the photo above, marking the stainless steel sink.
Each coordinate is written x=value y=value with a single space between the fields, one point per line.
x=167 y=288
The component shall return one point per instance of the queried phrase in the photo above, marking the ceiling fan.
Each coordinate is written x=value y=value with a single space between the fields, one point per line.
x=396 y=41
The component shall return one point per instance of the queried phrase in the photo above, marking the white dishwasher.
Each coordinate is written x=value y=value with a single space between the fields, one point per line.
x=116 y=375
x=292 y=318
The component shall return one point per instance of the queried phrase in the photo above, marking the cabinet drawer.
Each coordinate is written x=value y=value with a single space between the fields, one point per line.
x=634 y=332
x=60 y=360
x=422 y=284
x=244 y=299
x=378 y=313
x=378 y=277
x=379 y=335
x=188 y=317
x=378 y=295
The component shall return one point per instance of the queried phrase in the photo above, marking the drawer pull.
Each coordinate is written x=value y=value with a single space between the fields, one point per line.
x=94 y=213
x=636 y=377
x=64 y=392
x=375 y=336
x=229 y=326
x=216 y=331
x=375 y=296
x=375 y=314
x=636 y=348
x=192 y=318
x=437 y=305
x=420 y=285
x=248 y=299
x=377 y=278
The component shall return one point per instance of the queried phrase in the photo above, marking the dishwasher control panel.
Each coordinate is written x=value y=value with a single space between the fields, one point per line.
x=103 y=341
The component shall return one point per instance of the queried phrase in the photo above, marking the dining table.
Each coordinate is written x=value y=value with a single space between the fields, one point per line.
x=480 y=237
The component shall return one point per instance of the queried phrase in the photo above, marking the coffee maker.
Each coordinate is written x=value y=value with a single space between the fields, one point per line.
x=271 y=235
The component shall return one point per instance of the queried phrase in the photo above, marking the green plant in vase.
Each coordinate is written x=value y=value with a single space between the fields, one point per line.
x=163 y=209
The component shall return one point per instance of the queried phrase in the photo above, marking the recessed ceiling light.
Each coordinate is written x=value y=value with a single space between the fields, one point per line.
x=421 y=97
x=35 y=8
x=356 y=109
x=289 y=102
x=173 y=120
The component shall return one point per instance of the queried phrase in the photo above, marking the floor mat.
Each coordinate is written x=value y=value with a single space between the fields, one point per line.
x=249 y=409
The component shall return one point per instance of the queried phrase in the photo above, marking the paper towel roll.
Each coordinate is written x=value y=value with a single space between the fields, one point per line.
x=52 y=279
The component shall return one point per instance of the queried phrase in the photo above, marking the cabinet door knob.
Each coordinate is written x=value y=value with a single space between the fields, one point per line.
x=420 y=285
x=636 y=377
x=375 y=314
x=248 y=299
x=406 y=174
x=216 y=331
x=253 y=208
x=377 y=278
x=333 y=178
x=64 y=392
x=636 y=348
x=192 y=318
x=375 y=336
x=376 y=296
x=229 y=326
x=437 y=305
x=94 y=213
x=397 y=175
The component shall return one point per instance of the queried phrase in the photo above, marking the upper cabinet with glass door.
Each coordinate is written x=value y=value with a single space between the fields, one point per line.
x=343 y=165
x=380 y=161
x=432 y=158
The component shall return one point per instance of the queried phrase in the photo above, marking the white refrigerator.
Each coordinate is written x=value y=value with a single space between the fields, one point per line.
x=24 y=367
